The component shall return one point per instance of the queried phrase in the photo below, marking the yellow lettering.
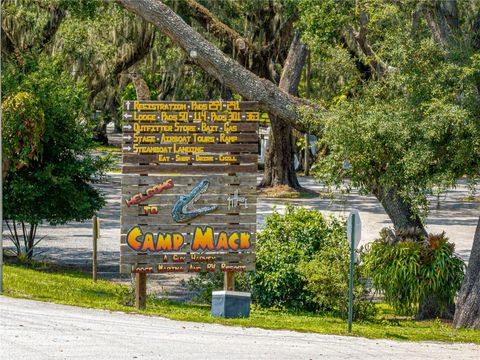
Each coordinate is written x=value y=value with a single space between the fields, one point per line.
x=206 y=158
x=228 y=138
x=177 y=241
x=183 y=158
x=222 y=242
x=233 y=241
x=185 y=139
x=204 y=138
x=132 y=238
x=188 y=149
x=230 y=128
x=209 y=128
x=245 y=240
x=148 y=243
x=227 y=158
x=203 y=239
x=164 y=242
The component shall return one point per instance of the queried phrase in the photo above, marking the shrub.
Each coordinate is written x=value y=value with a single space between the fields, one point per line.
x=284 y=242
x=327 y=278
x=204 y=283
x=49 y=140
x=408 y=271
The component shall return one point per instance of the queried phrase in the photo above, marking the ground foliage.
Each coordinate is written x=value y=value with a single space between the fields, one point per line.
x=285 y=241
x=408 y=271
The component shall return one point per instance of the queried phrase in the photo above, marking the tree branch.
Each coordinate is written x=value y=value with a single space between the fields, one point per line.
x=223 y=32
x=57 y=15
x=214 y=62
x=141 y=49
x=442 y=19
x=360 y=44
x=292 y=69
x=8 y=47
x=141 y=86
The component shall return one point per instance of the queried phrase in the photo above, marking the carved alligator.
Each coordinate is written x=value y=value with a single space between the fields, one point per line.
x=183 y=209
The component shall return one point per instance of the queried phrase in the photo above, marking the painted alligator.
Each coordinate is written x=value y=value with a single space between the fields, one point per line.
x=183 y=210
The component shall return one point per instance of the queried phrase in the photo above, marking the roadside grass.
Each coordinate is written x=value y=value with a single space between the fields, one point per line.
x=68 y=287
x=286 y=192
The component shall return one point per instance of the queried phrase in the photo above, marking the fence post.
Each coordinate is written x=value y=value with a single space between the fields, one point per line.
x=229 y=281
x=96 y=235
x=140 y=290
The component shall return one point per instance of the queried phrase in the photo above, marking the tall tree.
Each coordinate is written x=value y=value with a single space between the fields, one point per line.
x=262 y=50
x=279 y=167
x=412 y=123
x=279 y=104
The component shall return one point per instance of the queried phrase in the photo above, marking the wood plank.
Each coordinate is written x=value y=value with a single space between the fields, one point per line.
x=207 y=219
x=154 y=210
x=186 y=229
x=190 y=138
x=131 y=127
x=183 y=268
x=167 y=198
x=150 y=116
x=188 y=169
x=148 y=105
x=215 y=180
x=200 y=159
x=180 y=189
x=125 y=249
x=189 y=148
x=134 y=258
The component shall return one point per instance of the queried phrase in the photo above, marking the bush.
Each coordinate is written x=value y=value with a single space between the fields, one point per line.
x=284 y=242
x=204 y=283
x=49 y=140
x=409 y=271
x=327 y=277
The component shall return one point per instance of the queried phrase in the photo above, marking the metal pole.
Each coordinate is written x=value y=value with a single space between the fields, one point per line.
x=350 y=290
x=1 y=171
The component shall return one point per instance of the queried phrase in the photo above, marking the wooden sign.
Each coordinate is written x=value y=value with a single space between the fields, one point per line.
x=189 y=186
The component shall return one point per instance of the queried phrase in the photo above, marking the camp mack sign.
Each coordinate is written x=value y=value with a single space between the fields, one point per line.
x=189 y=186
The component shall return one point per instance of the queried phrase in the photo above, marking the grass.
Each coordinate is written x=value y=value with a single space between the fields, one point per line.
x=286 y=192
x=471 y=199
x=75 y=288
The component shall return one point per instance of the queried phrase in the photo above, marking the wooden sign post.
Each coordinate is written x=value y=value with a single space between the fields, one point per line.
x=95 y=237
x=188 y=188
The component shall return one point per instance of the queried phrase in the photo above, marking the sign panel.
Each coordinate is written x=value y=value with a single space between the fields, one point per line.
x=189 y=186
x=357 y=228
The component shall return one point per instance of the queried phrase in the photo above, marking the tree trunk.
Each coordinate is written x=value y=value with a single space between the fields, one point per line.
x=404 y=218
x=279 y=167
x=400 y=212
x=430 y=308
x=141 y=86
x=467 y=312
